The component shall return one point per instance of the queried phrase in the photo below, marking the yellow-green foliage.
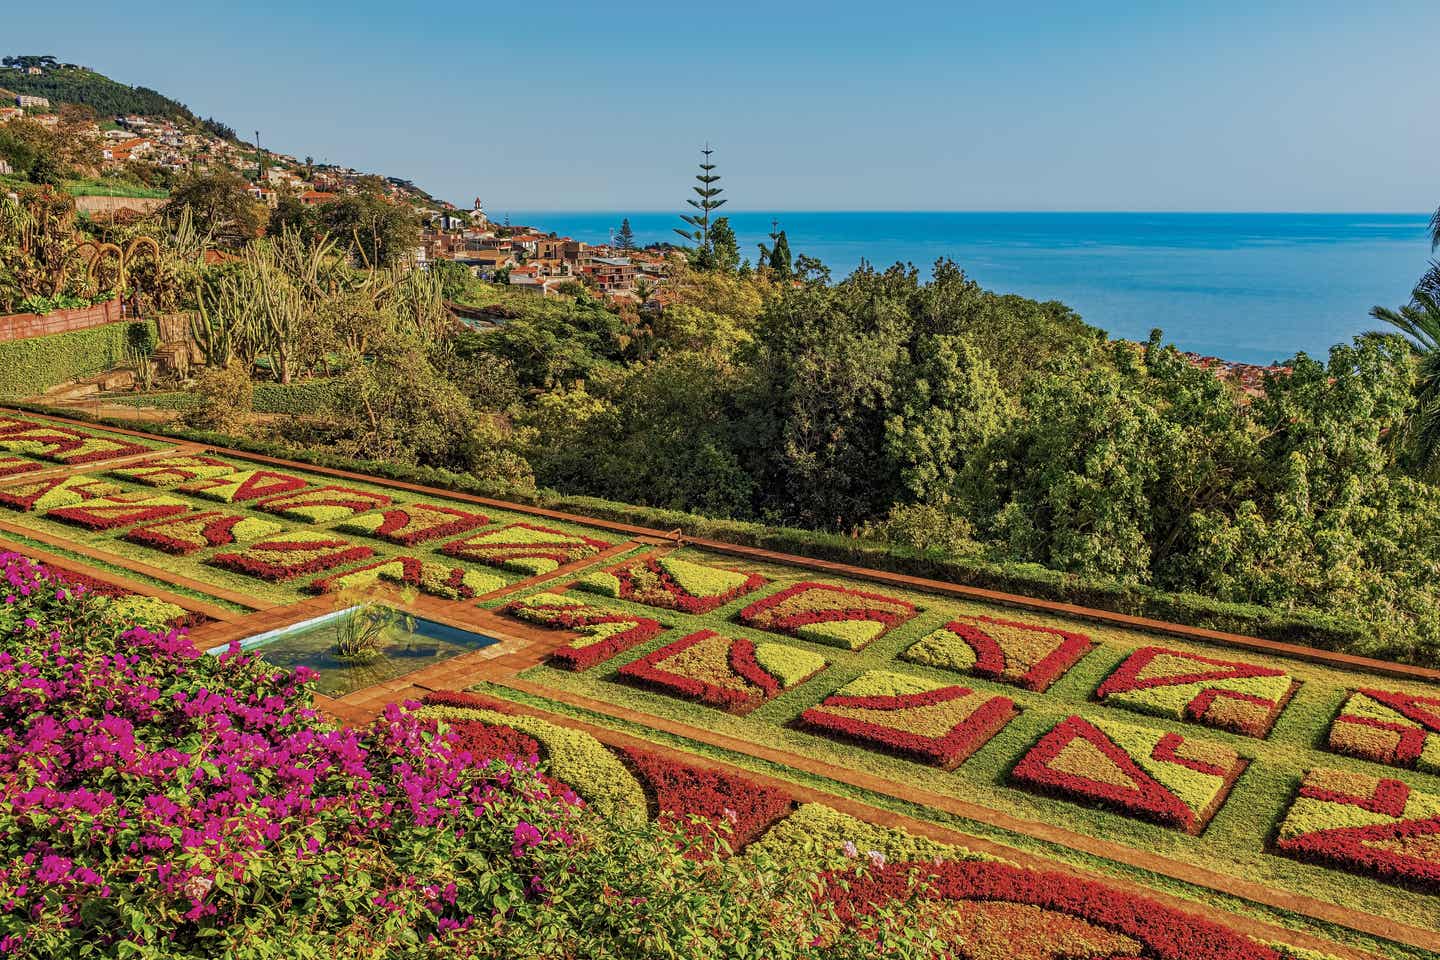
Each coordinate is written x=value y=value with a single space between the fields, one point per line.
x=1196 y=789
x=605 y=584
x=140 y=611
x=787 y=664
x=883 y=683
x=942 y=649
x=701 y=581
x=817 y=834
x=850 y=634
x=574 y=757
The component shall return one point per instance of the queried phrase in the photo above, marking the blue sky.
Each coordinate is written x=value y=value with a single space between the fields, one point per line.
x=1298 y=106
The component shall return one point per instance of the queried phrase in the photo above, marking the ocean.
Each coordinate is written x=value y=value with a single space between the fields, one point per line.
x=1251 y=287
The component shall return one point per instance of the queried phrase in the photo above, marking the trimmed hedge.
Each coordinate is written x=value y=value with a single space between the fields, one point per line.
x=306 y=398
x=32 y=366
x=1303 y=626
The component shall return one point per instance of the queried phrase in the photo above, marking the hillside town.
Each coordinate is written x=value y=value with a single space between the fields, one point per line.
x=529 y=259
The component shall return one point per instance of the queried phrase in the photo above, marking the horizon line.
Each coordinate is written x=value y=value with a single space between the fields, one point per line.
x=1215 y=213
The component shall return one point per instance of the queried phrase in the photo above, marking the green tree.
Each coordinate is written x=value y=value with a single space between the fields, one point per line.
x=724 y=250
x=706 y=201
x=1419 y=321
x=378 y=231
x=221 y=206
x=779 y=259
x=625 y=239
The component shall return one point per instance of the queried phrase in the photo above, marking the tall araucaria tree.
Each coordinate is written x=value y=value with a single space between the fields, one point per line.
x=706 y=200
x=625 y=239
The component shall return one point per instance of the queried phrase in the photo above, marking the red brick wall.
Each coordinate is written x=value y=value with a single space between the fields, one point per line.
x=21 y=326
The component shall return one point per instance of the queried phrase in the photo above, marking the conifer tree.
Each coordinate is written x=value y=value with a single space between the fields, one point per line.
x=706 y=200
x=780 y=257
x=724 y=250
x=625 y=239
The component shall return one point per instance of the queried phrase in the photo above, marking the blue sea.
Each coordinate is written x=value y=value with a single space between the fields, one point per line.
x=1253 y=287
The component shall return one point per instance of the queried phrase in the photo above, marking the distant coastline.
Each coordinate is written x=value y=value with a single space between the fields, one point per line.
x=1254 y=288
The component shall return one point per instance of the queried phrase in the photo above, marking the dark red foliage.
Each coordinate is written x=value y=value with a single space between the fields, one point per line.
x=1166 y=933
x=682 y=791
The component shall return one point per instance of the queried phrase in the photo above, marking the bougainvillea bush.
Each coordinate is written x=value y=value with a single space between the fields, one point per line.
x=671 y=583
x=734 y=674
x=157 y=802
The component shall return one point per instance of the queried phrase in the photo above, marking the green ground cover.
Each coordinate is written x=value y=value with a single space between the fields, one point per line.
x=1236 y=839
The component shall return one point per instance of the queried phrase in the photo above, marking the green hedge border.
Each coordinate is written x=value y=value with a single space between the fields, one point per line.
x=295 y=399
x=31 y=366
x=1305 y=627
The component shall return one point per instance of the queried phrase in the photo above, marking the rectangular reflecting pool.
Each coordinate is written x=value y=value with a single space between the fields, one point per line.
x=419 y=643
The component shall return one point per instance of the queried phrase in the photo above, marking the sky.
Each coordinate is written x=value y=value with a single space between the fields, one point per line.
x=1221 y=106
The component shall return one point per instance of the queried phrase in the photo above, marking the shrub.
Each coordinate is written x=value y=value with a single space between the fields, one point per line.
x=226 y=398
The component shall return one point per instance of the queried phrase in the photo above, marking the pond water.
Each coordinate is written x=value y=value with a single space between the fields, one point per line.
x=311 y=644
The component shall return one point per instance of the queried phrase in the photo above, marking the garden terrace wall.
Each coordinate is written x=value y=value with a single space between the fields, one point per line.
x=22 y=326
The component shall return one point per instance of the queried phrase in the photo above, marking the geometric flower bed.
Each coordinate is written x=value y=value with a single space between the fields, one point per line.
x=1371 y=825
x=10 y=466
x=413 y=523
x=51 y=492
x=1225 y=694
x=196 y=531
x=919 y=719
x=120 y=510
x=603 y=633
x=1025 y=654
x=291 y=555
x=436 y=579
x=524 y=548
x=323 y=504
x=722 y=672
x=62 y=444
x=175 y=469
x=1398 y=729
x=1144 y=773
x=999 y=911
x=683 y=792
x=243 y=485
x=671 y=583
x=837 y=616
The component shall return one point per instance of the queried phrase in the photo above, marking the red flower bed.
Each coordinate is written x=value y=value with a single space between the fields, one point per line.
x=244 y=485
x=278 y=560
x=882 y=721
x=121 y=510
x=1226 y=694
x=809 y=604
x=1028 y=655
x=1377 y=826
x=11 y=466
x=647 y=580
x=682 y=791
x=581 y=654
x=415 y=523
x=191 y=532
x=1163 y=932
x=747 y=684
x=1118 y=765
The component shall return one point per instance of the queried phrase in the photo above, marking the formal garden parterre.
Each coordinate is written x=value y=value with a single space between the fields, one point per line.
x=1249 y=764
